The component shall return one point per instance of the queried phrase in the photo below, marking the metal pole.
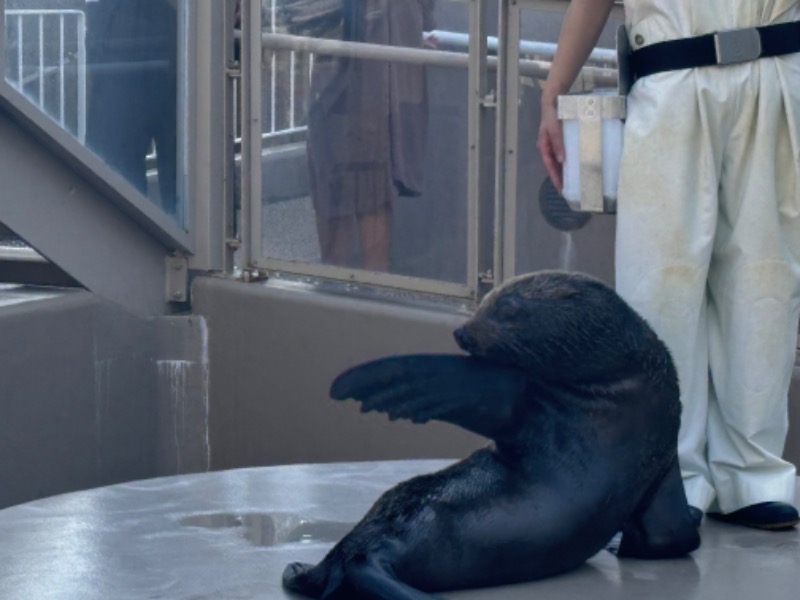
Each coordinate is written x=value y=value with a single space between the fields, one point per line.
x=20 y=44
x=418 y=56
x=3 y=41
x=250 y=213
x=433 y=58
x=184 y=61
x=41 y=62
x=82 y=78
x=544 y=50
x=61 y=73
x=477 y=116
x=500 y=143
x=209 y=134
x=511 y=144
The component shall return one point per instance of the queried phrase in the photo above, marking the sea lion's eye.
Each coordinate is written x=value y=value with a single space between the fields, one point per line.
x=507 y=306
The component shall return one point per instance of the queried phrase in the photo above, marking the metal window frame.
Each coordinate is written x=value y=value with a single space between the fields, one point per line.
x=252 y=44
x=507 y=150
x=210 y=134
x=208 y=165
x=111 y=184
x=491 y=201
x=506 y=168
x=117 y=242
x=80 y=17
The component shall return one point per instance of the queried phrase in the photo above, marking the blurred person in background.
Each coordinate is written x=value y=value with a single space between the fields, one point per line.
x=131 y=50
x=367 y=124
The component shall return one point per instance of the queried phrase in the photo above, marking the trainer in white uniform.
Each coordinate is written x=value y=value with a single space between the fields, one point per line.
x=708 y=226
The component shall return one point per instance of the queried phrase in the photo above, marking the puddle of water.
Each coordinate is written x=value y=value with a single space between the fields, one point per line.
x=272 y=529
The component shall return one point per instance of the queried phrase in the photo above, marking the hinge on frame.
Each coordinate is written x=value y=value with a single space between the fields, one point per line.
x=489 y=100
x=486 y=283
x=177 y=278
x=234 y=70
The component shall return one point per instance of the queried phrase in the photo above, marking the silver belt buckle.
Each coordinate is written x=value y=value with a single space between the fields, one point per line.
x=737 y=45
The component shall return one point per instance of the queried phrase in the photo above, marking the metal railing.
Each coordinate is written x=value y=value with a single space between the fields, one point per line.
x=270 y=75
x=46 y=61
x=292 y=57
x=291 y=61
x=605 y=75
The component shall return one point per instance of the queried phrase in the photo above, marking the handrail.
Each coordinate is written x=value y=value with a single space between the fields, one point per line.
x=42 y=70
x=439 y=58
x=604 y=56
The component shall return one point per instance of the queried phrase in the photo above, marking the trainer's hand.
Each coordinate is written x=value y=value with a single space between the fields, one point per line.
x=551 y=143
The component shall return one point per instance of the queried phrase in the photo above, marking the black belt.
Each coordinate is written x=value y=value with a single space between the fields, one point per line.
x=721 y=48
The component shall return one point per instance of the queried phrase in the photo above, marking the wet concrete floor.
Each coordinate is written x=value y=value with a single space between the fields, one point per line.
x=229 y=534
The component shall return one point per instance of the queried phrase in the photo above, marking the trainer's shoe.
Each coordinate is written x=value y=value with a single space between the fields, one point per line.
x=764 y=515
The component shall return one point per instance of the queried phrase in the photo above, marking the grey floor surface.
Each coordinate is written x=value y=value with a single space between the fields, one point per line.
x=229 y=535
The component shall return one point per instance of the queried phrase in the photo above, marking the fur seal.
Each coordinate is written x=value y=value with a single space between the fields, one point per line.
x=580 y=398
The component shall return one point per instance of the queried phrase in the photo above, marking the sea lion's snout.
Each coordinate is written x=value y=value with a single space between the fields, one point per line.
x=463 y=339
x=470 y=337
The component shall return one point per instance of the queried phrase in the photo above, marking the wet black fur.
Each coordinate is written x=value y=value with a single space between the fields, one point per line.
x=581 y=401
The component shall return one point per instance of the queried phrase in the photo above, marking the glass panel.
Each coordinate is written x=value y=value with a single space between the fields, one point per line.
x=106 y=71
x=365 y=160
x=549 y=234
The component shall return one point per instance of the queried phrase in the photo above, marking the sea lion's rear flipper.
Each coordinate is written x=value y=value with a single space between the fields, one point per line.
x=661 y=526
x=477 y=395
x=310 y=580
x=372 y=581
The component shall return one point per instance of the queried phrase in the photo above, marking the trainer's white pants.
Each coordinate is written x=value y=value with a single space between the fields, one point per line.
x=708 y=249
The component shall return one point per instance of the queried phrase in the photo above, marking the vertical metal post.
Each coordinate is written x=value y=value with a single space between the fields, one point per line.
x=500 y=139
x=3 y=40
x=61 y=72
x=250 y=213
x=477 y=117
x=229 y=125
x=507 y=141
x=41 y=62
x=511 y=154
x=185 y=80
x=82 y=78
x=292 y=86
x=210 y=134
x=20 y=45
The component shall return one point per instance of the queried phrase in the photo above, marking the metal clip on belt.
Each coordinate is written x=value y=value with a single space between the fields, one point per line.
x=717 y=49
x=737 y=45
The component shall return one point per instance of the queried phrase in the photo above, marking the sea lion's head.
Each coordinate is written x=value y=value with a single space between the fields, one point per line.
x=553 y=322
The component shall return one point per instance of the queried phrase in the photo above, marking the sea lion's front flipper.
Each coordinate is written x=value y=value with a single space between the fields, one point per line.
x=661 y=526
x=469 y=392
x=371 y=581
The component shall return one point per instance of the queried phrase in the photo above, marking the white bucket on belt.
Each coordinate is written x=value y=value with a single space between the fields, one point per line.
x=592 y=129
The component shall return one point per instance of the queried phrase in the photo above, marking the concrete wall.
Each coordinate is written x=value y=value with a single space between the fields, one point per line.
x=91 y=395
x=273 y=353
x=76 y=412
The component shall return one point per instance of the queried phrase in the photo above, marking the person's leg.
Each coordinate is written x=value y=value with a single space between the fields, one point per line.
x=754 y=285
x=116 y=130
x=336 y=239
x=375 y=238
x=163 y=114
x=665 y=228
